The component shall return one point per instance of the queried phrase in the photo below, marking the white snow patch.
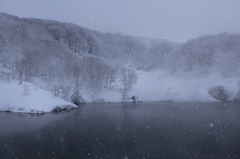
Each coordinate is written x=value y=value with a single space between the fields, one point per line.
x=29 y=98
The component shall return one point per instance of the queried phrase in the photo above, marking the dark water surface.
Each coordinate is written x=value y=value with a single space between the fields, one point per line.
x=133 y=131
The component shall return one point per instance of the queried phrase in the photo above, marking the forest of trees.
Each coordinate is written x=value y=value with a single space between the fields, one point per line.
x=70 y=58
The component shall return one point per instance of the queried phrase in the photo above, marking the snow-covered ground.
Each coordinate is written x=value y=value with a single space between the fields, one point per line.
x=29 y=98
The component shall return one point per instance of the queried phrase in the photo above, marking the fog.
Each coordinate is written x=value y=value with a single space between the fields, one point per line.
x=173 y=20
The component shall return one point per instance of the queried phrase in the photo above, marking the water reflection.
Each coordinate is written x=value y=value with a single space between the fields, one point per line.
x=153 y=130
x=14 y=123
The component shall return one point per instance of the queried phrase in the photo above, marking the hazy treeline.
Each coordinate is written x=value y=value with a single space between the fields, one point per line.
x=206 y=54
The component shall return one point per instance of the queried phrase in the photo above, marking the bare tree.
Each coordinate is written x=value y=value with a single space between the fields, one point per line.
x=20 y=70
x=110 y=76
x=26 y=66
x=76 y=73
x=95 y=71
x=127 y=79
x=1 y=43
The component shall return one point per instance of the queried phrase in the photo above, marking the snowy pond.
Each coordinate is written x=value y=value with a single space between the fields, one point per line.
x=132 y=131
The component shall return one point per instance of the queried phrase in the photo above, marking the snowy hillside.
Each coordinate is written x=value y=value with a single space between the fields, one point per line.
x=28 y=98
x=81 y=65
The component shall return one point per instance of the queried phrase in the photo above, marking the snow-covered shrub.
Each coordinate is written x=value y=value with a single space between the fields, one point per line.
x=219 y=93
x=77 y=98
x=236 y=97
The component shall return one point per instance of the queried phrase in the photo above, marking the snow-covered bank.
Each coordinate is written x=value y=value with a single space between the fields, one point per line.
x=151 y=86
x=28 y=98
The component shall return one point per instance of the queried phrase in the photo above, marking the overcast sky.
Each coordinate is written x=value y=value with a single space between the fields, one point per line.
x=175 y=20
